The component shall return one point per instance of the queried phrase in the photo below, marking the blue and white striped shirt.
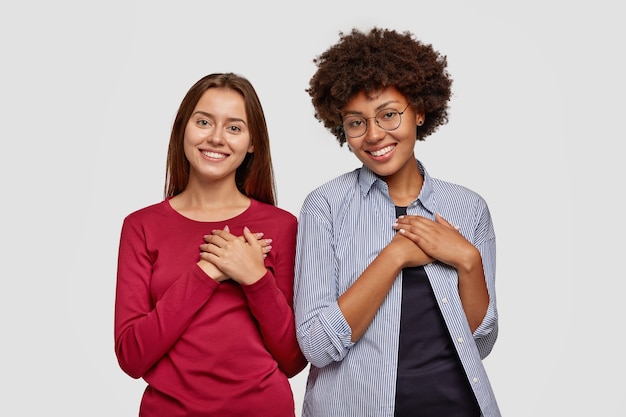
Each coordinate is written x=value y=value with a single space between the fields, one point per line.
x=343 y=226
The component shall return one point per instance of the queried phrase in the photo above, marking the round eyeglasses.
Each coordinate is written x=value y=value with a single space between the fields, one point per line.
x=387 y=119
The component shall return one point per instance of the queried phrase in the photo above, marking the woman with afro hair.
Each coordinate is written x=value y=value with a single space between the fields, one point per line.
x=395 y=270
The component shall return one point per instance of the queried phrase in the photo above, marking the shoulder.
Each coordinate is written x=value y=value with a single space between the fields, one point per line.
x=146 y=220
x=342 y=182
x=334 y=191
x=448 y=198
x=265 y=210
x=451 y=187
x=155 y=211
x=438 y=191
x=275 y=222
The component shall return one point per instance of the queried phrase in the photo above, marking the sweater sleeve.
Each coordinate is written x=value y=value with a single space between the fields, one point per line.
x=271 y=302
x=144 y=330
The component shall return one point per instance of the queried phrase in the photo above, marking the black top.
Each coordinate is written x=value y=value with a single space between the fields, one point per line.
x=431 y=380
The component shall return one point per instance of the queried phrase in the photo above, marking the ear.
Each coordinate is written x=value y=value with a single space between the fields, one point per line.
x=251 y=148
x=419 y=117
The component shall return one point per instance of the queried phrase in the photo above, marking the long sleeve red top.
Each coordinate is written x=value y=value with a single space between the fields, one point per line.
x=206 y=348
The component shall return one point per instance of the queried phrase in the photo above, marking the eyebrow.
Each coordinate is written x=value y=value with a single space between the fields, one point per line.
x=230 y=119
x=379 y=108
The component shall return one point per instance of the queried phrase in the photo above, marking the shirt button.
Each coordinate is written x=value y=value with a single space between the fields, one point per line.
x=460 y=340
x=475 y=379
x=444 y=300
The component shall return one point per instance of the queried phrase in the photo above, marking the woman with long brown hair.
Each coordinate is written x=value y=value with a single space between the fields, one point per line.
x=203 y=308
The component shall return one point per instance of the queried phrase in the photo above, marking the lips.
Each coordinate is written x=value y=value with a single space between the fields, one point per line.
x=214 y=155
x=383 y=151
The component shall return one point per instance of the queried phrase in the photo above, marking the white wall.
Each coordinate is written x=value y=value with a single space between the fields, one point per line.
x=88 y=93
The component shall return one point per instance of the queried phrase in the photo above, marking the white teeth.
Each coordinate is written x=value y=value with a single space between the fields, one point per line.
x=382 y=151
x=214 y=155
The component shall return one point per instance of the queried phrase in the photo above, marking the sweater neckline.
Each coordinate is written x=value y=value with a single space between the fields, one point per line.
x=171 y=209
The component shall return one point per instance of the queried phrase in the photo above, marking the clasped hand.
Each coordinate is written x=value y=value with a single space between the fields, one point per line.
x=436 y=240
x=239 y=258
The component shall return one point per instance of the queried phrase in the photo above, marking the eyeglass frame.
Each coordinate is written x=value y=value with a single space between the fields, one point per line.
x=400 y=113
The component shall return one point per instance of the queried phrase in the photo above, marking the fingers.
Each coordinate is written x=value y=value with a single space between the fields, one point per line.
x=226 y=235
x=250 y=237
x=423 y=231
x=439 y=239
x=221 y=238
x=266 y=244
x=239 y=257
x=416 y=224
x=439 y=219
x=410 y=224
x=215 y=240
x=222 y=234
x=266 y=248
x=255 y=239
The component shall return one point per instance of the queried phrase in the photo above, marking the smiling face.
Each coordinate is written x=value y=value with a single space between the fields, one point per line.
x=217 y=137
x=386 y=152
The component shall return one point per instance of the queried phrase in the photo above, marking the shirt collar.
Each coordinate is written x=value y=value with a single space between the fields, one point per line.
x=367 y=179
x=427 y=195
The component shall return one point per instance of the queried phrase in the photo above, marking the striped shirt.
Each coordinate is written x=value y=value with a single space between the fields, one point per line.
x=343 y=226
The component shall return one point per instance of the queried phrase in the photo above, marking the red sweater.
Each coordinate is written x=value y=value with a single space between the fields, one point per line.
x=206 y=348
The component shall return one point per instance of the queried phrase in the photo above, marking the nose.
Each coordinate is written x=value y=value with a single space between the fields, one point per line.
x=374 y=133
x=216 y=136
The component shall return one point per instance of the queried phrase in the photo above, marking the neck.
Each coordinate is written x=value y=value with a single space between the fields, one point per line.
x=213 y=201
x=405 y=185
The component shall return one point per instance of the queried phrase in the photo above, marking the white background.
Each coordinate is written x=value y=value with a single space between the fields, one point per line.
x=88 y=92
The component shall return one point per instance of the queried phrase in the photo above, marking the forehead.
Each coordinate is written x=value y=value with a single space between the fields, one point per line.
x=222 y=101
x=374 y=100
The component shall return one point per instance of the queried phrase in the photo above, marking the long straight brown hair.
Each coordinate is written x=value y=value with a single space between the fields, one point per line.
x=255 y=176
